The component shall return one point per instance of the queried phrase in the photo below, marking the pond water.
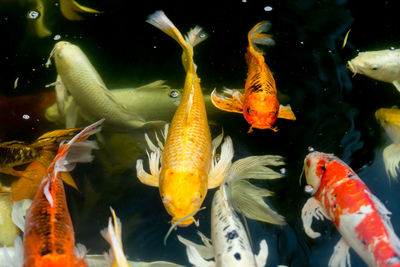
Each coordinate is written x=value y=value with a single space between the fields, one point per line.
x=335 y=111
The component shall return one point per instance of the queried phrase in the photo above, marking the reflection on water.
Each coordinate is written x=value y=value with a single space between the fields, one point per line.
x=335 y=112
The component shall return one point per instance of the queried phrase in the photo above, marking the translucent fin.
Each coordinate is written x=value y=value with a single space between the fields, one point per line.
x=80 y=251
x=196 y=259
x=71 y=115
x=256 y=35
x=206 y=251
x=391 y=159
x=247 y=198
x=146 y=178
x=397 y=85
x=18 y=213
x=219 y=168
x=262 y=257
x=196 y=36
x=71 y=10
x=230 y=104
x=19 y=252
x=341 y=255
x=285 y=112
x=61 y=95
x=312 y=208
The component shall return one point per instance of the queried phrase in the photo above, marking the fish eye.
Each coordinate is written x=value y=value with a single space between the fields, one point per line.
x=374 y=67
x=248 y=109
x=173 y=93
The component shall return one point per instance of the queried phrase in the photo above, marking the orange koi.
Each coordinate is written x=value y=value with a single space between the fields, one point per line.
x=259 y=104
x=360 y=217
x=188 y=168
x=49 y=235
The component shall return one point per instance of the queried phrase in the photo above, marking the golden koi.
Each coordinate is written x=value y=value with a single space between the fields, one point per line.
x=389 y=118
x=49 y=235
x=382 y=65
x=259 y=104
x=188 y=167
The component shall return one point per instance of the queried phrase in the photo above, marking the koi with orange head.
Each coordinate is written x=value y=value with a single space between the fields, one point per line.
x=49 y=235
x=184 y=168
x=259 y=104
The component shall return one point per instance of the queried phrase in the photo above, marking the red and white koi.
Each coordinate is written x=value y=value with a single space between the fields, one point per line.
x=360 y=217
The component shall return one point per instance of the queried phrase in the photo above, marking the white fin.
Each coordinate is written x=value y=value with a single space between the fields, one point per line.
x=397 y=85
x=196 y=259
x=71 y=115
x=61 y=95
x=247 y=198
x=18 y=212
x=47 y=193
x=341 y=255
x=391 y=159
x=19 y=251
x=262 y=257
x=219 y=168
x=80 y=251
x=151 y=179
x=206 y=251
x=257 y=36
x=312 y=208
x=196 y=36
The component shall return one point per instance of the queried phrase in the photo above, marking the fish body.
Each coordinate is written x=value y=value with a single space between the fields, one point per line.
x=186 y=160
x=49 y=234
x=91 y=98
x=389 y=119
x=362 y=220
x=381 y=65
x=259 y=104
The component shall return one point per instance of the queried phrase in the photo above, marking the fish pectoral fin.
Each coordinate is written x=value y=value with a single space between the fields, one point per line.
x=61 y=95
x=18 y=212
x=71 y=115
x=196 y=259
x=391 y=159
x=341 y=255
x=206 y=252
x=230 y=104
x=67 y=178
x=261 y=258
x=71 y=9
x=312 y=208
x=151 y=179
x=396 y=84
x=219 y=169
x=285 y=112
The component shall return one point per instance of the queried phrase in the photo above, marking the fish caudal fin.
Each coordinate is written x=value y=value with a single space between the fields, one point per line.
x=391 y=159
x=247 y=198
x=285 y=112
x=219 y=168
x=234 y=103
x=257 y=35
x=112 y=234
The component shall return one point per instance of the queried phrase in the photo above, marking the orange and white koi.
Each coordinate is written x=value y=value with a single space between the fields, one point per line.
x=49 y=235
x=188 y=168
x=259 y=104
x=389 y=119
x=360 y=217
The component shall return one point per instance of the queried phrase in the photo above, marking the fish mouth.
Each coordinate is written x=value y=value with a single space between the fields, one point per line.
x=352 y=68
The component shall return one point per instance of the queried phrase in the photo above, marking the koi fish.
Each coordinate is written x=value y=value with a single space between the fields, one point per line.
x=382 y=65
x=49 y=235
x=230 y=245
x=259 y=104
x=91 y=98
x=188 y=166
x=360 y=217
x=389 y=118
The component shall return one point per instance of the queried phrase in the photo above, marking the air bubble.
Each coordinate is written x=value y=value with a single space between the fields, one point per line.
x=310 y=149
x=268 y=8
x=26 y=117
x=308 y=189
x=57 y=37
x=282 y=171
x=33 y=14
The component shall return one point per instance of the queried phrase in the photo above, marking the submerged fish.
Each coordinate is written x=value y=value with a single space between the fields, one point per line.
x=188 y=167
x=362 y=220
x=49 y=235
x=382 y=65
x=91 y=98
x=389 y=118
x=230 y=245
x=8 y=230
x=259 y=104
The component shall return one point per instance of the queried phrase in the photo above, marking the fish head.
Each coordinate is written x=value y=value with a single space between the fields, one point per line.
x=314 y=169
x=182 y=193
x=380 y=65
x=261 y=110
x=67 y=54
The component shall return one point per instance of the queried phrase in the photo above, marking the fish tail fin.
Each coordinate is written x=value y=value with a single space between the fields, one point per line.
x=248 y=198
x=391 y=159
x=257 y=35
x=78 y=149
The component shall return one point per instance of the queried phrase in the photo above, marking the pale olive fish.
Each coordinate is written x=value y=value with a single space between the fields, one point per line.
x=382 y=65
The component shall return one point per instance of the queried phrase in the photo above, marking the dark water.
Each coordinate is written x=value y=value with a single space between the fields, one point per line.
x=335 y=112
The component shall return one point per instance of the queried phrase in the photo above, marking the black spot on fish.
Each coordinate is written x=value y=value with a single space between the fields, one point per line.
x=231 y=235
x=237 y=256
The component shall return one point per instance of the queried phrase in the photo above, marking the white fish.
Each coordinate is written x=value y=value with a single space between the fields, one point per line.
x=230 y=244
x=91 y=98
x=382 y=65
